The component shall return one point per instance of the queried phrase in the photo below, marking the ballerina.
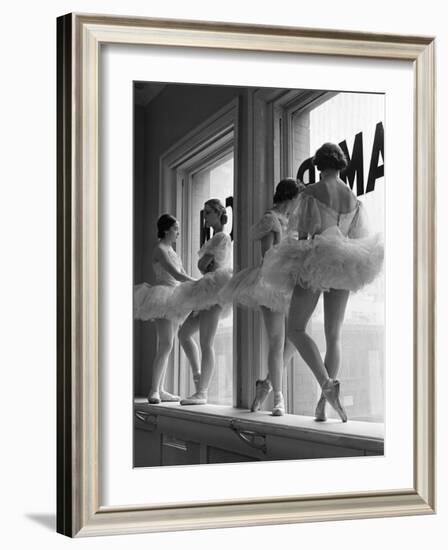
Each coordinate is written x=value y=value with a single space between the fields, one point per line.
x=205 y=302
x=247 y=288
x=334 y=255
x=158 y=303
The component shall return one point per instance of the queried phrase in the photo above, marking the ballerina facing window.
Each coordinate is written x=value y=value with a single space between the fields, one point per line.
x=247 y=288
x=334 y=255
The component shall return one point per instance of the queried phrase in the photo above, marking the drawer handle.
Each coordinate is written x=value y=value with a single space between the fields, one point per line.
x=251 y=438
x=150 y=420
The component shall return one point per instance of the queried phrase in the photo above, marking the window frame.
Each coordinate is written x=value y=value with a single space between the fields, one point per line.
x=211 y=140
x=205 y=159
x=269 y=115
x=284 y=109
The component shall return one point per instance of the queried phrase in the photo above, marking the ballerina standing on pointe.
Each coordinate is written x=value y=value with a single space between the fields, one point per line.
x=334 y=254
x=157 y=303
x=247 y=289
x=203 y=299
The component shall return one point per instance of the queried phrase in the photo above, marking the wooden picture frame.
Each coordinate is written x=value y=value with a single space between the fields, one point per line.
x=80 y=38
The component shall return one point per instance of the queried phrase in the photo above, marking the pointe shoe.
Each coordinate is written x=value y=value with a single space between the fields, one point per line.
x=195 y=399
x=319 y=414
x=279 y=406
x=154 y=398
x=330 y=389
x=167 y=397
x=262 y=390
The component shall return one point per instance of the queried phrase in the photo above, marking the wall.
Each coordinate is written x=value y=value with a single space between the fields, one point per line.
x=27 y=295
x=139 y=194
x=167 y=119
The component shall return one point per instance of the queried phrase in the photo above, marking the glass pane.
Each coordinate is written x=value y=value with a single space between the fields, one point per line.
x=214 y=181
x=356 y=122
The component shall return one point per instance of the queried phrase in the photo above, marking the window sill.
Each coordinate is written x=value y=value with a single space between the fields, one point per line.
x=260 y=435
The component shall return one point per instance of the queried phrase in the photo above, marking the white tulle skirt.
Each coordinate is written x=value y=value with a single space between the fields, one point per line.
x=327 y=261
x=205 y=292
x=248 y=289
x=157 y=302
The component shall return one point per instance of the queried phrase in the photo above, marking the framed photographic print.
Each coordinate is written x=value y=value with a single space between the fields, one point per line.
x=237 y=344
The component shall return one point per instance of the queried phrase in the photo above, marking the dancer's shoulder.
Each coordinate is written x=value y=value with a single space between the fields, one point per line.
x=335 y=196
x=163 y=252
x=268 y=223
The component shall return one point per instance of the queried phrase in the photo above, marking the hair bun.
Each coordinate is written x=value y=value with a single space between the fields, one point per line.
x=219 y=208
x=330 y=155
x=164 y=224
x=286 y=190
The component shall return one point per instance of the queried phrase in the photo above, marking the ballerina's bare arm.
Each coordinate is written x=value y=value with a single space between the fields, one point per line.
x=213 y=252
x=267 y=230
x=267 y=242
x=205 y=263
x=161 y=256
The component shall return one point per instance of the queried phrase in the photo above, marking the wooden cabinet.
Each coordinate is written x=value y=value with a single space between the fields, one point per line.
x=170 y=434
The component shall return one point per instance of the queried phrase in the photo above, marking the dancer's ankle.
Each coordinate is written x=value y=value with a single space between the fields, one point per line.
x=196 y=380
x=278 y=397
x=154 y=397
x=331 y=391
x=319 y=414
x=262 y=389
x=279 y=404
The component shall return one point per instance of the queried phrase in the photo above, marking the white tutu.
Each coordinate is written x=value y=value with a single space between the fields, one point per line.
x=247 y=288
x=327 y=261
x=157 y=302
x=205 y=292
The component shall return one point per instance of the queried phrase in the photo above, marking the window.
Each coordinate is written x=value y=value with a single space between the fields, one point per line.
x=355 y=121
x=213 y=179
x=198 y=167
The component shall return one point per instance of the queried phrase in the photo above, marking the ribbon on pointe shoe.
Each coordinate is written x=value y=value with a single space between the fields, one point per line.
x=262 y=390
x=279 y=405
x=331 y=390
x=319 y=414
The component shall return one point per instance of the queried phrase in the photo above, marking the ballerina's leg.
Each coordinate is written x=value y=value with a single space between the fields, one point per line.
x=335 y=305
x=165 y=336
x=303 y=304
x=275 y=328
x=166 y=396
x=208 y=324
x=185 y=334
x=289 y=350
x=264 y=387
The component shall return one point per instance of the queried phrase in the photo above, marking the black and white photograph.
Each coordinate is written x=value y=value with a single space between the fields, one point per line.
x=223 y=284
x=259 y=284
